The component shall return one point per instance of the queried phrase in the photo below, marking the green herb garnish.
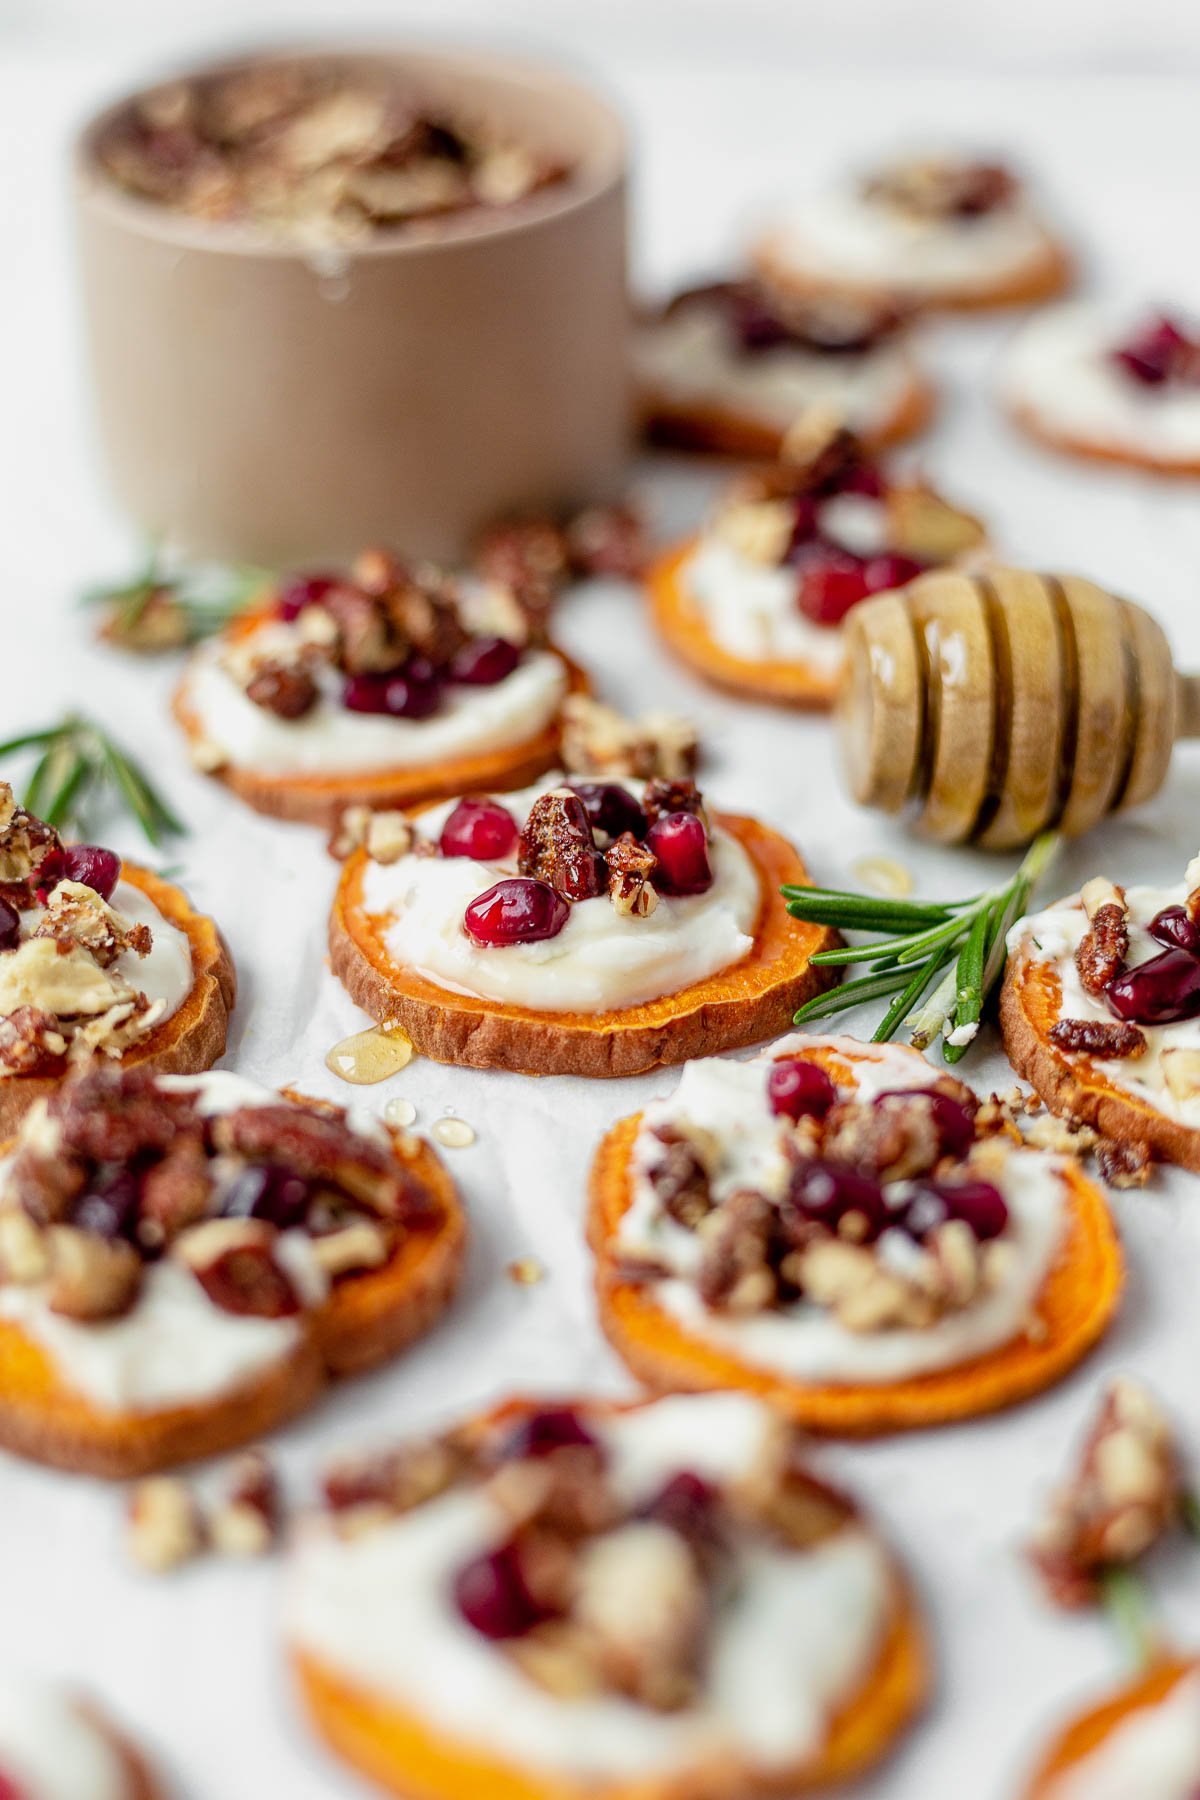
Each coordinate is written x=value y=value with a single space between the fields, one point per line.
x=954 y=947
x=159 y=610
x=76 y=764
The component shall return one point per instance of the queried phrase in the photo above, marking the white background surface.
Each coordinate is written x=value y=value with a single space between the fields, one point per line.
x=729 y=107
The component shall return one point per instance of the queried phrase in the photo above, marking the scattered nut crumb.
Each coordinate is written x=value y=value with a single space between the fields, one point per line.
x=165 y=1529
x=526 y=1271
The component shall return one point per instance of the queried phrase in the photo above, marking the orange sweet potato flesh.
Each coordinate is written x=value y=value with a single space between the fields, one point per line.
x=366 y=1318
x=741 y=1005
x=1090 y=1730
x=1075 y=1306
x=682 y=625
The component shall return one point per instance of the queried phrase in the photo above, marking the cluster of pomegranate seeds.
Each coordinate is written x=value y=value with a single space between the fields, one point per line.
x=680 y=843
x=270 y=1192
x=1158 y=353
x=832 y=580
x=10 y=926
x=517 y=910
x=86 y=863
x=824 y=1192
x=493 y=1597
x=481 y=829
x=1163 y=991
x=978 y=1204
x=799 y=1090
x=402 y=695
x=304 y=590
x=610 y=808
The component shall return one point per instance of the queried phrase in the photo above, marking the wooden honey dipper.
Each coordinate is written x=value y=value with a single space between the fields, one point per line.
x=998 y=702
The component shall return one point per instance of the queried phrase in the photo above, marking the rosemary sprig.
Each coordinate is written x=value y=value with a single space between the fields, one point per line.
x=157 y=609
x=954 y=947
x=1127 y=1603
x=78 y=762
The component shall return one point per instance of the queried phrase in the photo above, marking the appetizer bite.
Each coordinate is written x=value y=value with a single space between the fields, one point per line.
x=98 y=958
x=755 y=602
x=56 y=1746
x=317 y=151
x=1100 y=1011
x=185 y=1264
x=581 y=926
x=936 y=231
x=1100 y=385
x=836 y=1228
x=1142 y=1743
x=386 y=688
x=730 y=366
x=659 y=1599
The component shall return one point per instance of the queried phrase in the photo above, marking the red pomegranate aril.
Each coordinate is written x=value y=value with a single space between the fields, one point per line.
x=484 y=661
x=830 y=586
x=863 y=478
x=548 y=1429
x=1150 y=356
x=680 y=843
x=93 y=867
x=799 y=1090
x=955 y=1124
x=516 y=910
x=610 y=808
x=687 y=1505
x=10 y=926
x=493 y=1598
x=1175 y=927
x=1162 y=991
x=481 y=829
x=50 y=871
x=109 y=1207
x=977 y=1203
x=304 y=590
x=884 y=572
x=268 y=1191
x=826 y=1192
x=400 y=695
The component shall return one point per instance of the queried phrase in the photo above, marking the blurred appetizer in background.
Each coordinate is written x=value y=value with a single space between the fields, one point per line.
x=937 y=230
x=57 y=1745
x=387 y=687
x=186 y=1264
x=98 y=959
x=1096 y=382
x=1100 y=1011
x=659 y=1599
x=838 y=1229
x=755 y=602
x=728 y=367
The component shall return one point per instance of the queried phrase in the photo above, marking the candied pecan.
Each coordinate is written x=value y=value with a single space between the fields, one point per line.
x=1125 y=1494
x=232 y=1259
x=25 y=843
x=895 y=1138
x=680 y=1179
x=630 y=866
x=76 y=915
x=249 y=1519
x=608 y=540
x=45 y=1182
x=740 y=1238
x=557 y=846
x=562 y=1490
x=398 y=1479
x=1098 y=1037
x=425 y=617
x=320 y=1149
x=29 y=1040
x=176 y=1191
x=530 y=556
x=662 y=798
x=164 y=1524
x=1103 y=948
x=90 y=1277
x=365 y=641
x=113 y=1115
x=644 y=1605
x=1124 y=1165
x=287 y=690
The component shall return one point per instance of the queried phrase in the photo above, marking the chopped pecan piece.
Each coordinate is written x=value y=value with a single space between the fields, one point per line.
x=643 y=1604
x=109 y=1115
x=736 y=1271
x=397 y=1480
x=386 y=836
x=234 y=1262
x=1125 y=1494
x=663 y=798
x=1104 y=946
x=287 y=690
x=157 y=623
x=24 y=1250
x=323 y=1150
x=249 y=1519
x=176 y=1191
x=91 y=1278
x=680 y=1177
x=1097 y=1037
x=29 y=1040
x=608 y=540
x=895 y=1137
x=528 y=556
x=425 y=617
x=557 y=846
x=360 y=1245
x=630 y=866
x=365 y=641
x=1124 y=1165
x=165 y=1528
x=598 y=741
x=25 y=843
x=76 y=915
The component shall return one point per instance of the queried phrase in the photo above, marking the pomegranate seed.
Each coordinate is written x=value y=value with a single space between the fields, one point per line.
x=804 y=524
x=610 y=808
x=9 y=1789
x=548 y=1429
x=109 y=1207
x=863 y=478
x=680 y=843
x=1159 y=992
x=485 y=661
x=1175 y=927
x=884 y=572
x=977 y=1203
x=482 y=829
x=1152 y=354
x=955 y=1124
x=95 y=868
x=10 y=926
x=302 y=591
x=826 y=1192
x=268 y=1191
x=799 y=1090
x=492 y=1595
x=516 y=911
x=688 y=1506
x=408 y=694
x=50 y=871
x=830 y=585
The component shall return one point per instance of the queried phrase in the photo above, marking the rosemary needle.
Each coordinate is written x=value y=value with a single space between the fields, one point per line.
x=77 y=762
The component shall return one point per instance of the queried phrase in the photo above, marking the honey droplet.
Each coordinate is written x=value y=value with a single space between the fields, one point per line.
x=400 y=1113
x=883 y=875
x=454 y=1134
x=370 y=1056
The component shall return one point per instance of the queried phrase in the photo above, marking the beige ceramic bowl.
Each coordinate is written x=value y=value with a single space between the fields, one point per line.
x=258 y=402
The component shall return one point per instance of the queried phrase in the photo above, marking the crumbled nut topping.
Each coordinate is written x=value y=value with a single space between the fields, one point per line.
x=1098 y=1037
x=25 y=843
x=598 y=741
x=164 y=1526
x=942 y=189
x=169 y=1523
x=630 y=866
x=1103 y=948
x=535 y=558
x=557 y=846
x=248 y=1521
x=1124 y=1495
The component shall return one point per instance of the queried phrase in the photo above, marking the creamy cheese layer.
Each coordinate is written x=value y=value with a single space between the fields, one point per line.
x=601 y=961
x=796 y=1636
x=330 y=740
x=750 y=609
x=728 y=1099
x=52 y=1750
x=1060 y=372
x=1154 y=1754
x=1053 y=936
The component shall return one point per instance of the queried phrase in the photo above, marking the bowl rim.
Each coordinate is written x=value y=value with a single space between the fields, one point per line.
x=99 y=193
